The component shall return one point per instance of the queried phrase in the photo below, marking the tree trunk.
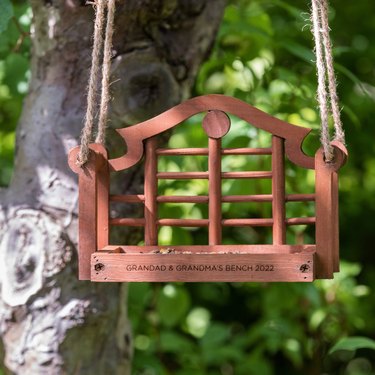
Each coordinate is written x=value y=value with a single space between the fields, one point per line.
x=51 y=323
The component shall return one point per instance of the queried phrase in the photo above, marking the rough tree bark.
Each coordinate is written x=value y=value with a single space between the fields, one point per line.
x=50 y=323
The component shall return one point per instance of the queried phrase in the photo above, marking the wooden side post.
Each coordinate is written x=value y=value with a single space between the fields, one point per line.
x=103 y=200
x=87 y=205
x=327 y=211
x=278 y=191
x=335 y=213
x=325 y=227
x=151 y=192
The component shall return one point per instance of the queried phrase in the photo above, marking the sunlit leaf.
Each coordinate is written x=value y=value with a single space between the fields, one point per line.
x=353 y=344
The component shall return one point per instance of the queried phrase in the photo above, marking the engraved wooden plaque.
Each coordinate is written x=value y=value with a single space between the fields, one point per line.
x=101 y=261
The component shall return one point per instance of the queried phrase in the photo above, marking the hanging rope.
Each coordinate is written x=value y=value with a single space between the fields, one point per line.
x=326 y=78
x=92 y=96
x=102 y=125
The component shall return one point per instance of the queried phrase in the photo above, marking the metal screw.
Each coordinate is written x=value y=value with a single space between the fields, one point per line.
x=304 y=268
x=99 y=267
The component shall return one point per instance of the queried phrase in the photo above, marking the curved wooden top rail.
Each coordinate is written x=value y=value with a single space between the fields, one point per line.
x=135 y=134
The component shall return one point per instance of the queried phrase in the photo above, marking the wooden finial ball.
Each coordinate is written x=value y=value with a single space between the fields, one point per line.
x=216 y=124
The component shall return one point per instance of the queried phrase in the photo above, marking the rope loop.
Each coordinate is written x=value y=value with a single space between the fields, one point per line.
x=99 y=45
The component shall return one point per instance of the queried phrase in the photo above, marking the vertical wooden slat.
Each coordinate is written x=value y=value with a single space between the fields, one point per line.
x=214 y=203
x=278 y=191
x=150 y=192
x=216 y=124
x=87 y=209
x=335 y=213
x=326 y=228
x=103 y=200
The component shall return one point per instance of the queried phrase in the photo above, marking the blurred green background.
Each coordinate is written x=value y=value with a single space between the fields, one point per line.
x=263 y=55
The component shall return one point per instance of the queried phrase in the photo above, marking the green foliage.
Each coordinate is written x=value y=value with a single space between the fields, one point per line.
x=6 y=14
x=243 y=328
x=352 y=344
x=14 y=77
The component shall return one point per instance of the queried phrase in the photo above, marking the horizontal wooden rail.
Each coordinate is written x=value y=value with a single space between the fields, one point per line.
x=300 y=221
x=183 y=222
x=204 y=151
x=139 y=222
x=181 y=151
x=205 y=198
x=139 y=198
x=267 y=222
x=268 y=198
x=182 y=199
x=204 y=175
x=182 y=175
x=247 y=222
x=247 y=198
x=300 y=197
x=246 y=151
x=251 y=174
x=220 y=264
x=131 y=222
x=213 y=249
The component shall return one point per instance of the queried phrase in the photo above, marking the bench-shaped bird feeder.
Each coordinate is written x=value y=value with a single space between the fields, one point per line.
x=99 y=260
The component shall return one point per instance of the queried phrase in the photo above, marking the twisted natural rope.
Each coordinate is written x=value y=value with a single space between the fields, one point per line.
x=102 y=125
x=326 y=77
x=339 y=132
x=92 y=95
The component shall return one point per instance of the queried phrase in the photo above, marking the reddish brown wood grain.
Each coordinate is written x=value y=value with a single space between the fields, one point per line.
x=252 y=174
x=216 y=124
x=136 y=134
x=151 y=192
x=289 y=262
x=131 y=222
x=246 y=151
x=103 y=199
x=204 y=151
x=137 y=198
x=182 y=199
x=88 y=220
x=204 y=175
x=218 y=249
x=181 y=151
x=214 y=180
x=278 y=191
x=258 y=222
x=298 y=267
x=326 y=227
x=204 y=198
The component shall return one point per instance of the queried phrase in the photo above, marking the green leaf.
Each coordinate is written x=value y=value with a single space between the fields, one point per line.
x=173 y=342
x=172 y=304
x=298 y=50
x=294 y=11
x=353 y=344
x=215 y=336
x=352 y=77
x=6 y=13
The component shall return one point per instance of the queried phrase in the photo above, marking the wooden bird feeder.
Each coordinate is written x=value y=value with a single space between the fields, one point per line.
x=101 y=261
